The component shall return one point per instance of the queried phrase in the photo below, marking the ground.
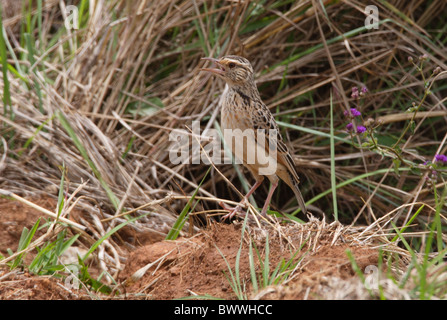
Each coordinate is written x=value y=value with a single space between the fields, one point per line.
x=193 y=265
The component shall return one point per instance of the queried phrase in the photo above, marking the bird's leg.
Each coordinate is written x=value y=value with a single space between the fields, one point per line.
x=269 y=198
x=255 y=186
x=243 y=203
x=232 y=210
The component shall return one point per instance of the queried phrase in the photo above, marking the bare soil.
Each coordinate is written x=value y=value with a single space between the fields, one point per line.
x=188 y=266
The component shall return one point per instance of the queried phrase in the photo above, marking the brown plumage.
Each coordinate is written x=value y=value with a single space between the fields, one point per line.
x=251 y=131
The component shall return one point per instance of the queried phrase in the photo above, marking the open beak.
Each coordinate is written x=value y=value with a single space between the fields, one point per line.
x=220 y=70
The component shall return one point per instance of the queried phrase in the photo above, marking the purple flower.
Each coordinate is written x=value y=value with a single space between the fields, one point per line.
x=353 y=112
x=363 y=91
x=361 y=129
x=355 y=93
x=349 y=126
x=441 y=158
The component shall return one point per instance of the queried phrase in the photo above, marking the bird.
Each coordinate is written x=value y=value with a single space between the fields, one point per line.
x=253 y=134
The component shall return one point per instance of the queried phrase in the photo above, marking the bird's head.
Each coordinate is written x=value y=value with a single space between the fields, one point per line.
x=234 y=70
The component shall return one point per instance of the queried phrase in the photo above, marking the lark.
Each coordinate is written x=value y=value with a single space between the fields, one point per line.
x=253 y=134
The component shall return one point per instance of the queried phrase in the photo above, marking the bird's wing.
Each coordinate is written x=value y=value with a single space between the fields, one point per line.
x=276 y=148
x=263 y=119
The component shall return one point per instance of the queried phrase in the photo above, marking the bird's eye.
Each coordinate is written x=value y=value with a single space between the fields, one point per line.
x=231 y=65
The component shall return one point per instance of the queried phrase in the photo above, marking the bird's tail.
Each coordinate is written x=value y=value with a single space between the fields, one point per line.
x=296 y=190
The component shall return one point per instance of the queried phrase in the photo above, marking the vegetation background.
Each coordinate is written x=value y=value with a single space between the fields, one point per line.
x=92 y=90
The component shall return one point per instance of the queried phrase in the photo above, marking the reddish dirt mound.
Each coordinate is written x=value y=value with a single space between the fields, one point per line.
x=16 y=285
x=188 y=266
x=195 y=266
x=14 y=216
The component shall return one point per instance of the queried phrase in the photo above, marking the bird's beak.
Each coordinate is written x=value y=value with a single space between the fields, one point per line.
x=219 y=70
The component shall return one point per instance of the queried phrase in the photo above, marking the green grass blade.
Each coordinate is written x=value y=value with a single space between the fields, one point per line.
x=333 y=180
x=276 y=274
x=409 y=222
x=30 y=48
x=357 y=270
x=24 y=242
x=437 y=218
x=232 y=281
x=341 y=37
x=7 y=108
x=312 y=131
x=60 y=197
x=35 y=133
x=183 y=217
x=83 y=12
x=238 y=258
x=266 y=266
x=108 y=234
x=235 y=281
x=251 y=260
x=64 y=122
x=39 y=21
x=421 y=269
x=349 y=181
x=292 y=217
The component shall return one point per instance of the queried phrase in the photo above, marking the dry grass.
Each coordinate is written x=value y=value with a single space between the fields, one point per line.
x=102 y=100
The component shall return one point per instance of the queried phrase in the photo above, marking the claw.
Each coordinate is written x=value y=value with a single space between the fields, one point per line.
x=233 y=210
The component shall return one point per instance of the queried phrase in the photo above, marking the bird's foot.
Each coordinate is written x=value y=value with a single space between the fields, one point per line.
x=234 y=210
